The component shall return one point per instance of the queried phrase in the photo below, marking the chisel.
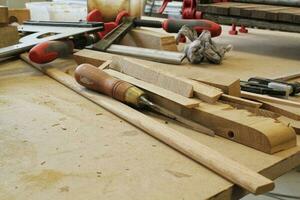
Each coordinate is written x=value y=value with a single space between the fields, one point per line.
x=97 y=80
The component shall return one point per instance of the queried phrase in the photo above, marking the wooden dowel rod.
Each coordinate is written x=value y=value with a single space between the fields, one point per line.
x=225 y=167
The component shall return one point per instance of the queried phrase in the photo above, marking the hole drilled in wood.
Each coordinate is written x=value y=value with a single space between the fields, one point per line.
x=230 y=134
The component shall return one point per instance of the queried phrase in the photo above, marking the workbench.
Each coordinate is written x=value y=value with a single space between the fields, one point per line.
x=56 y=144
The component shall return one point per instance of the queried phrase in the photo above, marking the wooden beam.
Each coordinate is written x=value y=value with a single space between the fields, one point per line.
x=160 y=78
x=186 y=102
x=150 y=39
x=225 y=167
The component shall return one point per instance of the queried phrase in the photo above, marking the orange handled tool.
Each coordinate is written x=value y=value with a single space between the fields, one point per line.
x=96 y=79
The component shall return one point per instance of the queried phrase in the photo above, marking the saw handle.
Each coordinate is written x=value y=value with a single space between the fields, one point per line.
x=48 y=51
x=96 y=79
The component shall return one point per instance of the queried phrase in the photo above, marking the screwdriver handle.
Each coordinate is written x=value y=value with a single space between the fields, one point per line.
x=174 y=25
x=50 y=50
x=95 y=79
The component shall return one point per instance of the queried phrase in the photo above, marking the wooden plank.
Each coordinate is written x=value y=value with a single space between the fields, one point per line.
x=267 y=98
x=18 y=15
x=204 y=155
x=228 y=84
x=150 y=39
x=186 y=102
x=8 y=36
x=166 y=80
x=3 y=15
x=158 y=77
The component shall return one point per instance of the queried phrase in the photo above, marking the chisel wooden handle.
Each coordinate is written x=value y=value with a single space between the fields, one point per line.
x=95 y=79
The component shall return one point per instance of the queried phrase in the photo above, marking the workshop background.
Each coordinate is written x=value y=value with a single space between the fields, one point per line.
x=288 y=184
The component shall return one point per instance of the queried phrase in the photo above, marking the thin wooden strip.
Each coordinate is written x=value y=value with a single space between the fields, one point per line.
x=225 y=167
x=253 y=96
x=285 y=110
x=186 y=102
x=241 y=101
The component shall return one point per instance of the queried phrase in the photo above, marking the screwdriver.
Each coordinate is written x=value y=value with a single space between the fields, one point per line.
x=97 y=80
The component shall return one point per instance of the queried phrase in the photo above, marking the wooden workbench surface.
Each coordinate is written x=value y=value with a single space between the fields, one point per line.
x=56 y=144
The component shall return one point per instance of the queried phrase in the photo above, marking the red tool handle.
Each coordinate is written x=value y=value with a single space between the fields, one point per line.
x=48 y=51
x=174 y=25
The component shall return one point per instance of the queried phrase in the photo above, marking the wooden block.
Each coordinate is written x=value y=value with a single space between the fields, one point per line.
x=8 y=36
x=186 y=102
x=229 y=85
x=205 y=92
x=3 y=15
x=150 y=39
x=160 y=78
x=18 y=15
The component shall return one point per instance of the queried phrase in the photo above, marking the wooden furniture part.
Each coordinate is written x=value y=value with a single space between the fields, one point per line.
x=240 y=101
x=8 y=36
x=238 y=125
x=3 y=16
x=150 y=39
x=18 y=15
x=233 y=171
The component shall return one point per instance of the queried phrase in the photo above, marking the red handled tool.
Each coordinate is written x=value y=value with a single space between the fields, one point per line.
x=169 y=25
x=48 y=51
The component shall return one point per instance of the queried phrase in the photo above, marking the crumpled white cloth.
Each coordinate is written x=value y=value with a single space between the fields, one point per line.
x=201 y=47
